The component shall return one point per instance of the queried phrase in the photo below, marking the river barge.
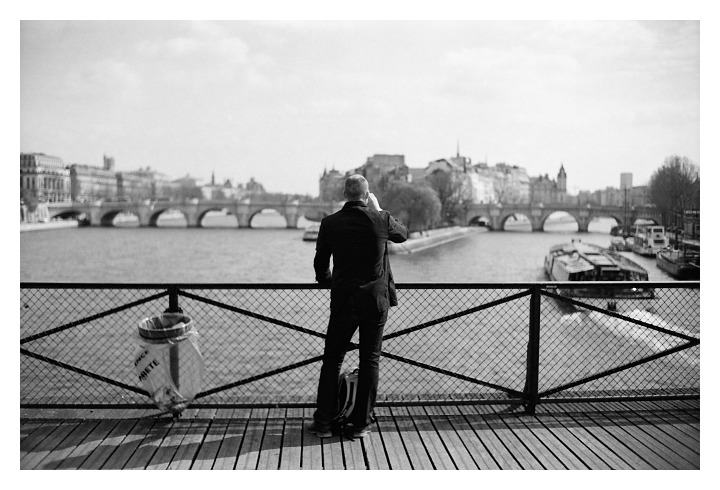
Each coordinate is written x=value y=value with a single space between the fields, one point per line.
x=583 y=262
x=683 y=263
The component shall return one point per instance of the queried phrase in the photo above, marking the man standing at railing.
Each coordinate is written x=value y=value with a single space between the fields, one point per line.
x=362 y=291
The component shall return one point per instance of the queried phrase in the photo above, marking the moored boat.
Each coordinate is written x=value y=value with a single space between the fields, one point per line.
x=620 y=244
x=649 y=239
x=311 y=233
x=622 y=230
x=578 y=261
x=681 y=264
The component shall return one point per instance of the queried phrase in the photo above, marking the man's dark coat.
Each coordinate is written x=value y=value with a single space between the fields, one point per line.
x=356 y=237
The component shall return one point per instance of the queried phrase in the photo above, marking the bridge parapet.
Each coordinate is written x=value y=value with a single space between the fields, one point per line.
x=148 y=212
x=495 y=216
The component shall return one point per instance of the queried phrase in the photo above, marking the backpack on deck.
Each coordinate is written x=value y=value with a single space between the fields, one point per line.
x=347 y=394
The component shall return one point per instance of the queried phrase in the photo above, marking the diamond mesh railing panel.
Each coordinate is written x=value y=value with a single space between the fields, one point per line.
x=262 y=344
x=247 y=333
x=643 y=348
x=87 y=339
x=487 y=346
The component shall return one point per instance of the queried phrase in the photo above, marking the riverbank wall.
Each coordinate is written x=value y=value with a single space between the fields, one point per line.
x=422 y=240
x=50 y=225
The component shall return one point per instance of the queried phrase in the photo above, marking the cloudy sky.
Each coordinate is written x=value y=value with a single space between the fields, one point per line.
x=281 y=101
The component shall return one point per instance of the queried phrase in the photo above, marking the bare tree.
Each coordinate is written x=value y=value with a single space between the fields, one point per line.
x=450 y=191
x=675 y=187
x=505 y=191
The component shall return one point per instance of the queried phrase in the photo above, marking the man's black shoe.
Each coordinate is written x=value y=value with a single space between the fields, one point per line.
x=318 y=431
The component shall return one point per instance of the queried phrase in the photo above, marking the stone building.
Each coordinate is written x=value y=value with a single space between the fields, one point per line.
x=379 y=170
x=187 y=187
x=484 y=184
x=378 y=166
x=482 y=180
x=512 y=184
x=88 y=183
x=143 y=184
x=464 y=177
x=331 y=186
x=220 y=192
x=44 y=177
x=545 y=190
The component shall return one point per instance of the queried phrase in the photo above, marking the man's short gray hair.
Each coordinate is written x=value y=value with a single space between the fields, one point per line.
x=355 y=187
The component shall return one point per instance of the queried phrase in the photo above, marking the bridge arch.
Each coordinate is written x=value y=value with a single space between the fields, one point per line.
x=617 y=217
x=157 y=213
x=279 y=210
x=524 y=221
x=559 y=214
x=107 y=218
x=480 y=220
x=81 y=216
x=644 y=218
x=205 y=211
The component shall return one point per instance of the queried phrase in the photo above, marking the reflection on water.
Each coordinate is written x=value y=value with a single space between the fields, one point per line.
x=270 y=253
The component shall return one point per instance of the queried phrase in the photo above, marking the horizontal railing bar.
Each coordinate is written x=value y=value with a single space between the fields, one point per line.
x=618 y=369
x=400 y=403
x=230 y=404
x=90 y=318
x=460 y=314
x=83 y=372
x=624 y=398
x=93 y=406
x=619 y=316
x=420 y=285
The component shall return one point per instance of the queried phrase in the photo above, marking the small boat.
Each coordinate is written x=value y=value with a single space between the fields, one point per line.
x=578 y=261
x=649 y=239
x=619 y=244
x=623 y=231
x=682 y=264
x=311 y=233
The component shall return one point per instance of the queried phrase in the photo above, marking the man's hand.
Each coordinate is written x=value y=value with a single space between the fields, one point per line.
x=373 y=202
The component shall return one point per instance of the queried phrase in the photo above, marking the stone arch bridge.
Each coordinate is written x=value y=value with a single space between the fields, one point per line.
x=495 y=216
x=492 y=216
x=104 y=213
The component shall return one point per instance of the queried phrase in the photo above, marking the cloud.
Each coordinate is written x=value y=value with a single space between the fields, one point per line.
x=100 y=79
x=508 y=74
x=207 y=50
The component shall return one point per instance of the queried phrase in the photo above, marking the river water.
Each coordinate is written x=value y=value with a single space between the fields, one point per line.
x=268 y=253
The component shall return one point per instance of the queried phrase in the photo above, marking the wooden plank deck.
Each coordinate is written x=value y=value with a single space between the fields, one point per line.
x=612 y=435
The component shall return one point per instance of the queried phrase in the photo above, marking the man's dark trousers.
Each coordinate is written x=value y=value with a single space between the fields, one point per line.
x=344 y=321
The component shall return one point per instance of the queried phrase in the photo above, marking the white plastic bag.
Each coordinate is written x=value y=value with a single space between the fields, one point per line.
x=168 y=362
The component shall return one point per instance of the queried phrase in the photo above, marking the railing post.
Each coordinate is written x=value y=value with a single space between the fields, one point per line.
x=533 y=353
x=173 y=297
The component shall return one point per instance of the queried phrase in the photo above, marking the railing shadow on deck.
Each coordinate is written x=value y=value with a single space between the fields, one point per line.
x=520 y=344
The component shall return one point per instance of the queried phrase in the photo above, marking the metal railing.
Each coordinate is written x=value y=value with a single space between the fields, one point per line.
x=518 y=343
